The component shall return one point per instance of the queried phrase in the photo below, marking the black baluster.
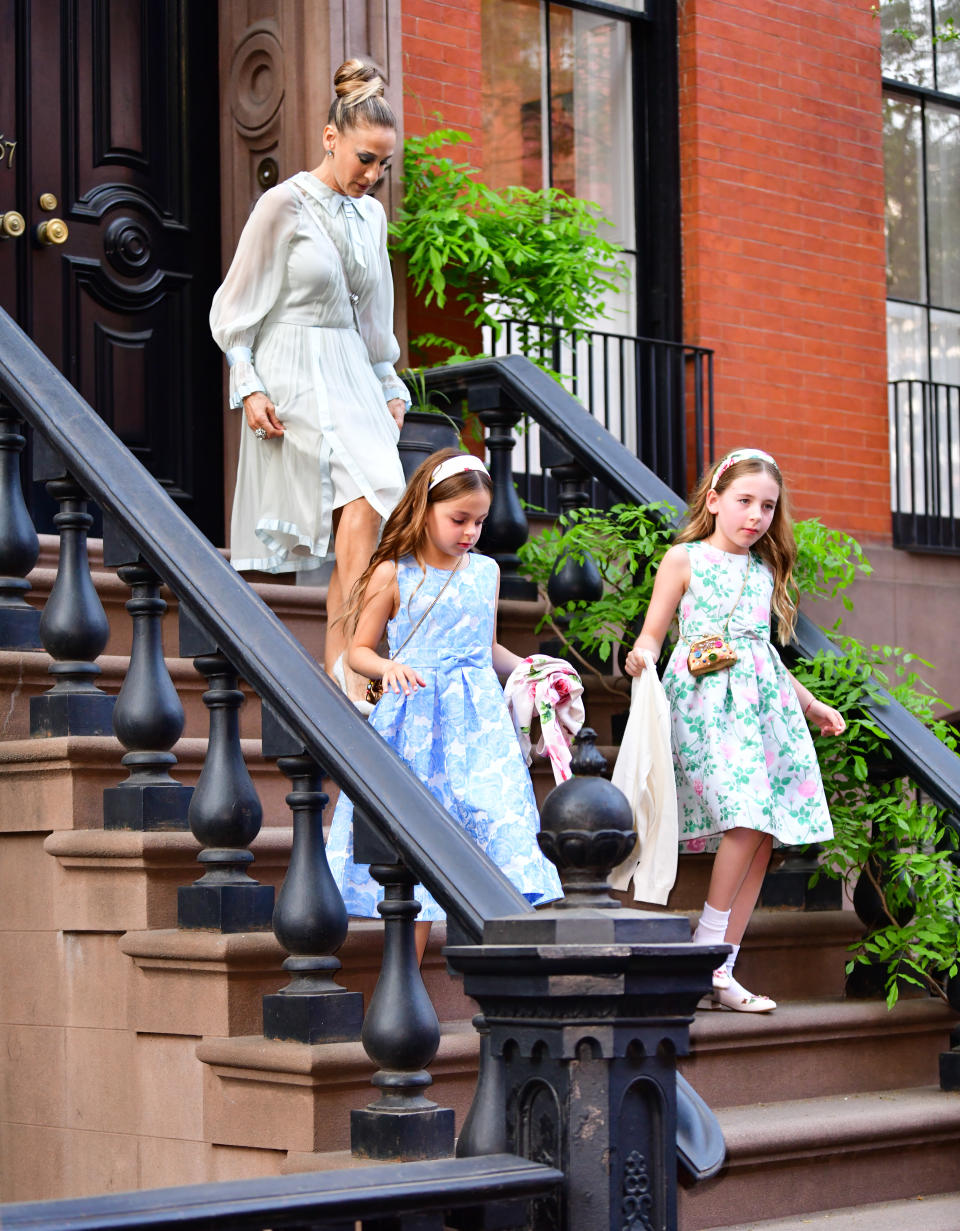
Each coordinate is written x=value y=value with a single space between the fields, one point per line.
x=309 y=919
x=148 y=717
x=73 y=627
x=871 y=902
x=586 y=758
x=19 y=544
x=225 y=813
x=789 y=884
x=950 y=1060
x=484 y=1130
x=572 y=580
x=401 y=1032
x=506 y=529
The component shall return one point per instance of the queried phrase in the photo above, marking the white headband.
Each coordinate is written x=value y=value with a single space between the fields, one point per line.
x=455 y=465
x=741 y=455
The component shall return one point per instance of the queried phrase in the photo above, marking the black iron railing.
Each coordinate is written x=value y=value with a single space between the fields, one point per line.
x=408 y=1195
x=925 y=465
x=400 y=829
x=646 y=392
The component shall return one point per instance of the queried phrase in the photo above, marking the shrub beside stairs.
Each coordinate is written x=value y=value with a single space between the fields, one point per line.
x=133 y=1055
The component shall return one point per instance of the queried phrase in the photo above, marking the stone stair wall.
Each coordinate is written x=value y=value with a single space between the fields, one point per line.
x=133 y=1054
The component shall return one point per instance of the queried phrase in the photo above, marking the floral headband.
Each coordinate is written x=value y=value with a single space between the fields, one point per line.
x=741 y=455
x=455 y=465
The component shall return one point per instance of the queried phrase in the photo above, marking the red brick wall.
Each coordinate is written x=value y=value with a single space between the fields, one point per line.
x=782 y=186
x=441 y=66
x=442 y=88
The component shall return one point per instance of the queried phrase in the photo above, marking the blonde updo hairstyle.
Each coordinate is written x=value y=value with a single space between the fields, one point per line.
x=777 y=548
x=359 y=98
x=406 y=528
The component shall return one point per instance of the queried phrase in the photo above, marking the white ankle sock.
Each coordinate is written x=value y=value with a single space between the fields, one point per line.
x=732 y=960
x=711 y=927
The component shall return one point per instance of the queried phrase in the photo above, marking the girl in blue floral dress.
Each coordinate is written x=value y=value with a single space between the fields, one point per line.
x=744 y=762
x=443 y=709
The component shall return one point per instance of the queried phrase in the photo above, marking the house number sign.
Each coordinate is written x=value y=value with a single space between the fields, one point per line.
x=7 y=151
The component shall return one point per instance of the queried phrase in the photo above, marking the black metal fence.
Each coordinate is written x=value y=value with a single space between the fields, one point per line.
x=646 y=392
x=925 y=465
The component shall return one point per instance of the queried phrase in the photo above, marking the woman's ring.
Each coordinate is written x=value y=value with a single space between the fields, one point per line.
x=260 y=433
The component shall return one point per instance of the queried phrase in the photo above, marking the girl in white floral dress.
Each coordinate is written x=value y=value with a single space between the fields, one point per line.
x=443 y=709
x=744 y=762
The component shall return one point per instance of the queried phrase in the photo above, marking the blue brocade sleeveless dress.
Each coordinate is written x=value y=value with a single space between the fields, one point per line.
x=455 y=734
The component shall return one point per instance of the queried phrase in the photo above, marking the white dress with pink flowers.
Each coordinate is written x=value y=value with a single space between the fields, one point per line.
x=742 y=751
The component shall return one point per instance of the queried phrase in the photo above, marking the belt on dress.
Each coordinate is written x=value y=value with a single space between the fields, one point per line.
x=450 y=660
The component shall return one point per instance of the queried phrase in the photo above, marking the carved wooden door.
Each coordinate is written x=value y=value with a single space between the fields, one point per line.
x=109 y=154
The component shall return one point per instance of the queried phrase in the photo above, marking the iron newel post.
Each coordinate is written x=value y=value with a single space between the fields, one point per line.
x=587 y=1005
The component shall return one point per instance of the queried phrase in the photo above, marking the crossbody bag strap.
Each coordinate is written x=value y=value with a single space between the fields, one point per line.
x=743 y=586
x=317 y=212
x=436 y=599
x=726 y=623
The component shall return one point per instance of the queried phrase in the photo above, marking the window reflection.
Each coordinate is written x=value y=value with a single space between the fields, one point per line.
x=905 y=58
x=945 y=347
x=558 y=105
x=947 y=51
x=903 y=169
x=907 y=349
x=943 y=204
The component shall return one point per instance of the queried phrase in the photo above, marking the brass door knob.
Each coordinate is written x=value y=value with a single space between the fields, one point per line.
x=48 y=201
x=53 y=231
x=12 y=225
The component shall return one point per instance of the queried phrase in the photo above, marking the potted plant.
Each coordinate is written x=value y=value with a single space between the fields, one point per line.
x=533 y=255
x=426 y=426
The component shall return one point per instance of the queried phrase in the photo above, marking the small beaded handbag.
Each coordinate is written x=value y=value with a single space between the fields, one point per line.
x=714 y=652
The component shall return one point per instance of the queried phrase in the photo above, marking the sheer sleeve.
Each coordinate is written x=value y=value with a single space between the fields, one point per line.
x=251 y=286
x=375 y=317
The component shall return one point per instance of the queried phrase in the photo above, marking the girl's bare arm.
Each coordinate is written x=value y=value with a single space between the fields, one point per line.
x=830 y=721
x=383 y=598
x=673 y=577
x=504 y=660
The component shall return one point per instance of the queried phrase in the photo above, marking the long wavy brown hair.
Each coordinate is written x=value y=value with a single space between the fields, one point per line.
x=406 y=528
x=778 y=547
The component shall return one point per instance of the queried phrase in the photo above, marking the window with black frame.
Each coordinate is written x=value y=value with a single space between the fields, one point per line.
x=582 y=96
x=921 y=68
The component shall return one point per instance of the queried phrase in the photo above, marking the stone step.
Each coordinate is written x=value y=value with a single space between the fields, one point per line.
x=768 y=961
x=937 y=1213
x=822 y=1047
x=806 y=1155
x=302 y=608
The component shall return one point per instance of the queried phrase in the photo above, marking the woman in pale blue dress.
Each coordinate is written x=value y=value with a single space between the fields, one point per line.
x=443 y=709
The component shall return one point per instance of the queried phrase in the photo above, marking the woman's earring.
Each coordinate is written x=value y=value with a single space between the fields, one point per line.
x=329 y=153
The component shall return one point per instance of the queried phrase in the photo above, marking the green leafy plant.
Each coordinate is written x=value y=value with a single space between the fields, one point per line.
x=536 y=255
x=626 y=543
x=827 y=561
x=882 y=828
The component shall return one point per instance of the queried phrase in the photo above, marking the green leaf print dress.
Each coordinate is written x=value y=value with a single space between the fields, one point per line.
x=742 y=751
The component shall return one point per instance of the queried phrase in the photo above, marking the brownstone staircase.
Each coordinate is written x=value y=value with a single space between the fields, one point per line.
x=133 y=1053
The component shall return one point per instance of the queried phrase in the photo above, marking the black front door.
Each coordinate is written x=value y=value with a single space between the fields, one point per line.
x=109 y=153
